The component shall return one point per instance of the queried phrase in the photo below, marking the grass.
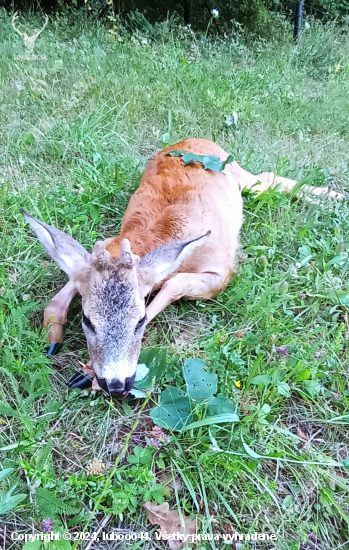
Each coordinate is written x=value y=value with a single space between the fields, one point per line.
x=76 y=132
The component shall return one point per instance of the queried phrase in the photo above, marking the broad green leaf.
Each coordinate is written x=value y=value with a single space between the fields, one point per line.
x=283 y=389
x=165 y=138
x=337 y=260
x=8 y=501
x=62 y=544
x=261 y=379
x=188 y=158
x=32 y=545
x=27 y=139
x=312 y=387
x=210 y=162
x=208 y=421
x=220 y=405
x=141 y=372
x=201 y=384
x=5 y=473
x=174 y=410
x=138 y=394
x=303 y=375
x=156 y=361
x=339 y=297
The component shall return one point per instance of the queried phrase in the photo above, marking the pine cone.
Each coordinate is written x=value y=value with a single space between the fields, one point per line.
x=95 y=467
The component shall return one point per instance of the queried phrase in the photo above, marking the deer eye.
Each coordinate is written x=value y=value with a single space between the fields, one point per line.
x=140 y=323
x=87 y=322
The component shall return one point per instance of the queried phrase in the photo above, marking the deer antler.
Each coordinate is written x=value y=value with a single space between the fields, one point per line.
x=39 y=32
x=14 y=18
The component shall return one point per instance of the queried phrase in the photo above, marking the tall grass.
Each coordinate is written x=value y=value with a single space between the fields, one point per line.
x=76 y=132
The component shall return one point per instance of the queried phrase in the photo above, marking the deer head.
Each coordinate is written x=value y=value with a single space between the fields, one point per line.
x=113 y=294
x=29 y=41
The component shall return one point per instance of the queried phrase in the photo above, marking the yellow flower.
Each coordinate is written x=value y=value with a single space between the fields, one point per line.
x=90 y=8
x=238 y=384
x=337 y=67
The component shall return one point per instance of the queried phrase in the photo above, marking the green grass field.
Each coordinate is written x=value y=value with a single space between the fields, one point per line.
x=76 y=132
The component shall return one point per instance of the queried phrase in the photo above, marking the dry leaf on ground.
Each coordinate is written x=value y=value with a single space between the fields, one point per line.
x=171 y=528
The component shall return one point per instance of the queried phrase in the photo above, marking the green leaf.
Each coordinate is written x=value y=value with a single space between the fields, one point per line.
x=96 y=160
x=312 y=387
x=141 y=372
x=27 y=139
x=210 y=162
x=8 y=501
x=188 y=158
x=208 y=421
x=201 y=384
x=62 y=544
x=140 y=456
x=303 y=375
x=166 y=138
x=283 y=389
x=339 y=297
x=337 y=260
x=138 y=394
x=5 y=473
x=32 y=545
x=263 y=379
x=156 y=361
x=174 y=410
x=220 y=405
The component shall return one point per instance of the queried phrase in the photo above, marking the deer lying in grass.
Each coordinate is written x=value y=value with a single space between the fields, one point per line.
x=179 y=236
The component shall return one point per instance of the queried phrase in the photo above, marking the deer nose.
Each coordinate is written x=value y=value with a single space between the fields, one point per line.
x=117 y=388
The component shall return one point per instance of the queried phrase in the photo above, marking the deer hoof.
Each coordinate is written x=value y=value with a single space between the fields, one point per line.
x=79 y=380
x=54 y=348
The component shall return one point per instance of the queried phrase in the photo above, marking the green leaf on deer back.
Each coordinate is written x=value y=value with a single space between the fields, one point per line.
x=210 y=162
x=201 y=384
x=174 y=410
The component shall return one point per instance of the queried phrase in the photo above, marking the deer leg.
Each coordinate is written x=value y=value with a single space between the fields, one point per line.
x=192 y=286
x=56 y=313
x=262 y=181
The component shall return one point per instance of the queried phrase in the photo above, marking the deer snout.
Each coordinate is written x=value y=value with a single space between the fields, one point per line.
x=116 y=388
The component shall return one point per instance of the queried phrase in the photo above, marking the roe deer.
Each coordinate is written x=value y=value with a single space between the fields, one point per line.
x=179 y=235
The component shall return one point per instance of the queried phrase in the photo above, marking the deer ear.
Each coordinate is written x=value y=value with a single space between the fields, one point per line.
x=63 y=249
x=164 y=260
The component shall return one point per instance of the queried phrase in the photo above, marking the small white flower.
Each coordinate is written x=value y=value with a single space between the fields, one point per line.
x=144 y=41
x=298 y=265
x=81 y=144
x=306 y=25
x=21 y=161
x=215 y=13
x=104 y=143
x=63 y=199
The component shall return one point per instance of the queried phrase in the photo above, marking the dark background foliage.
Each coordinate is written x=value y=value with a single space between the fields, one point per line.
x=197 y=12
